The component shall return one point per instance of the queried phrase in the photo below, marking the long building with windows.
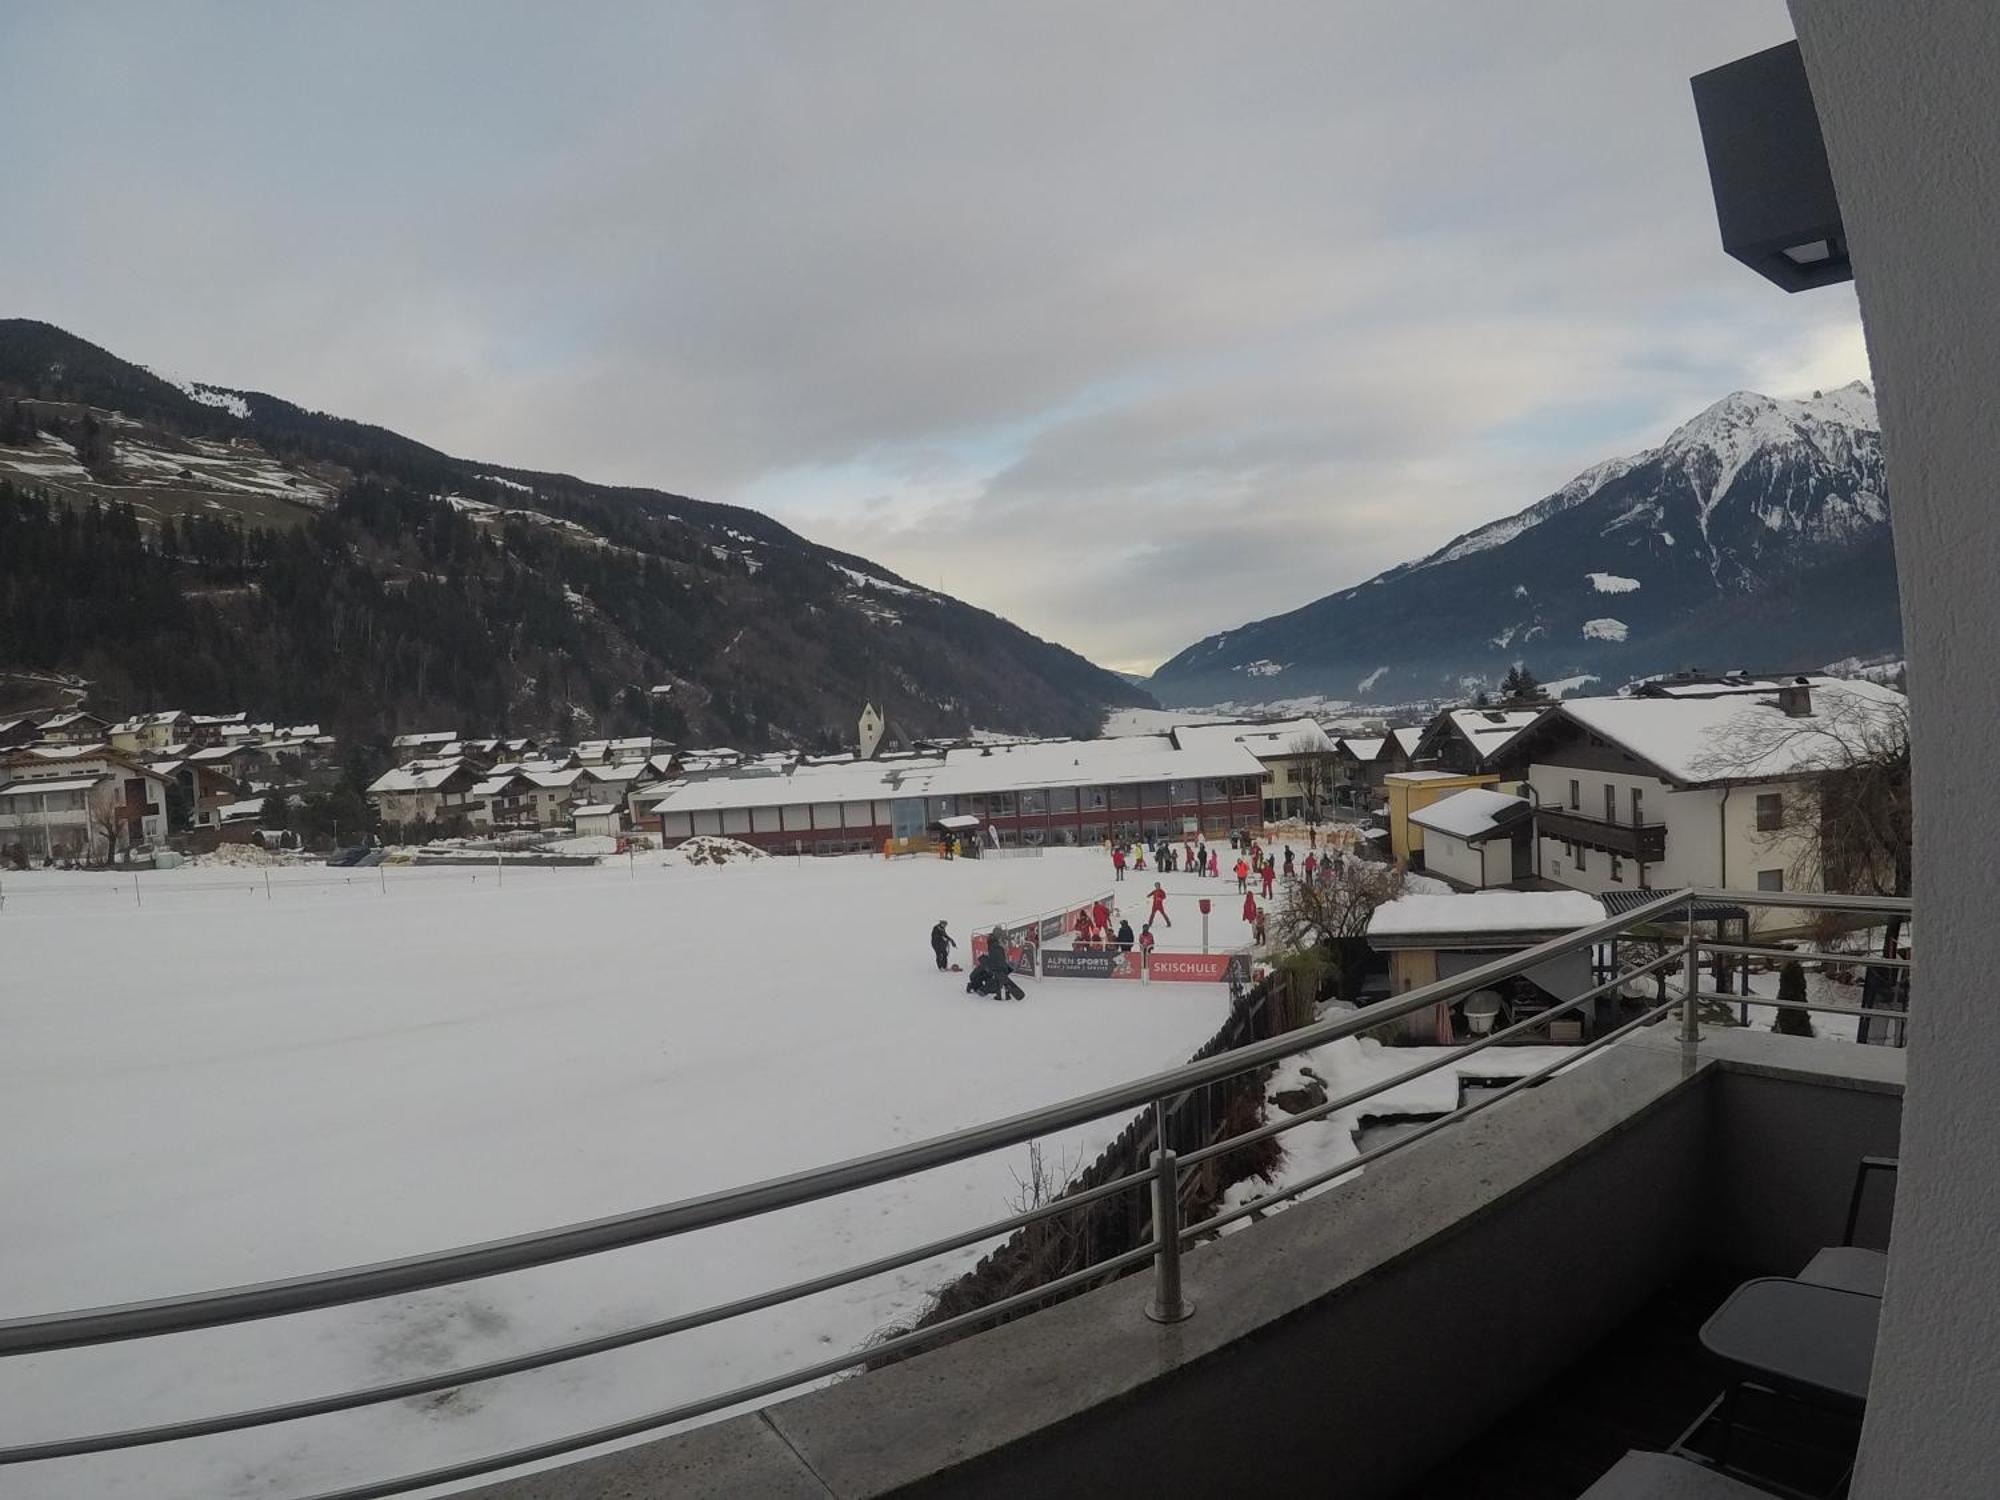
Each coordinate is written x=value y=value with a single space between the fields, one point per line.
x=1051 y=792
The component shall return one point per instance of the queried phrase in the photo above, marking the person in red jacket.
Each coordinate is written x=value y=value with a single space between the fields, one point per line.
x=1270 y=878
x=1250 y=907
x=1159 y=896
x=1242 y=874
x=1118 y=862
x=1086 y=933
x=1312 y=864
x=1214 y=866
x=1100 y=916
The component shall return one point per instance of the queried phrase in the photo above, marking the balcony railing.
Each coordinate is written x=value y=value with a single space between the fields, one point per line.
x=1646 y=842
x=1162 y=1180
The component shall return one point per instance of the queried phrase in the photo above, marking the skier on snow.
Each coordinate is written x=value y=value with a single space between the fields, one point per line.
x=942 y=944
x=1159 y=895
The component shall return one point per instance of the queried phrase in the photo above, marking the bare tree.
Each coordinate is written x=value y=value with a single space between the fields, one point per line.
x=1312 y=772
x=106 y=820
x=1330 y=913
x=1843 y=777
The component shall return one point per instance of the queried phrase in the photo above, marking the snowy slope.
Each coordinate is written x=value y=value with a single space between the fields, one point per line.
x=1756 y=533
x=403 y=1060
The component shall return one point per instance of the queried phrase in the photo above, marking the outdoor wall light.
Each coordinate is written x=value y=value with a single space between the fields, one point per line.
x=1774 y=199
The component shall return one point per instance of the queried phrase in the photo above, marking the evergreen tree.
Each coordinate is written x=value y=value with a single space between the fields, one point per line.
x=1792 y=987
x=1519 y=685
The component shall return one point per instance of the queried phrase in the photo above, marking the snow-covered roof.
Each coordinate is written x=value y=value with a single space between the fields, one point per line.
x=222 y=752
x=1408 y=738
x=1487 y=729
x=1468 y=814
x=214 y=720
x=1408 y=776
x=413 y=741
x=555 y=780
x=236 y=812
x=1514 y=912
x=1363 y=749
x=70 y=720
x=66 y=752
x=50 y=784
x=593 y=809
x=1741 y=736
x=994 y=768
x=1268 y=741
x=631 y=770
x=413 y=778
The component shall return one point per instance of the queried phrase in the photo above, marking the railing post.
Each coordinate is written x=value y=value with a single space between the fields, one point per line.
x=1690 y=984
x=1168 y=1305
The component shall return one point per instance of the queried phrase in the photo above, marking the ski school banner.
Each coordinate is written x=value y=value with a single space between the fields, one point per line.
x=1089 y=963
x=1167 y=968
x=1032 y=932
x=1198 y=968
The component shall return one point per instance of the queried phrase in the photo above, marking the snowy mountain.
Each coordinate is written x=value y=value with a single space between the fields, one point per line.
x=1756 y=534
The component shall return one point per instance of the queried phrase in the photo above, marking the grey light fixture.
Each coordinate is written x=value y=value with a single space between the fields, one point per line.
x=1774 y=200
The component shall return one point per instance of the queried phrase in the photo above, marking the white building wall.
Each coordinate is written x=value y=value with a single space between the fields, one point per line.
x=1453 y=858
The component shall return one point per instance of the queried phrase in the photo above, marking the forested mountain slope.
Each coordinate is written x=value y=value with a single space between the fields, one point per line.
x=181 y=544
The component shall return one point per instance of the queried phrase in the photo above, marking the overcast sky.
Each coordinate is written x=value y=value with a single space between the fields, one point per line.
x=1130 y=322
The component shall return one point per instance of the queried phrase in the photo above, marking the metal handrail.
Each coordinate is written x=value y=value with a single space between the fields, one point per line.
x=423 y=1272
x=298 y=1294
x=319 y=1406
x=1424 y=1069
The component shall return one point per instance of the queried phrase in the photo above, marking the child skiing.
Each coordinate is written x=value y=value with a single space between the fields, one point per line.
x=1159 y=895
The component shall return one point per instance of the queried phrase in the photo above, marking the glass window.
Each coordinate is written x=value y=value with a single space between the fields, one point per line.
x=1062 y=799
x=1156 y=794
x=1124 y=798
x=1215 y=790
x=1610 y=803
x=974 y=805
x=764 y=820
x=943 y=807
x=1617 y=869
x=735 y=820
x=1580 y=863
x=1034 y=804
x=1094 y=799
x=1215 y=823
x=1770 y=814
x=1184 y=791
x=1000 y=805
x=1638 y=807
x=1576 y=794
x=1770 y=880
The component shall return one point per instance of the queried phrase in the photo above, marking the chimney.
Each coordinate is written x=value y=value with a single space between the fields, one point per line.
x=1795 y=699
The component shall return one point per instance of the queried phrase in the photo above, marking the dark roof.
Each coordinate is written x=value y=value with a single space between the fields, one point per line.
x=1617 y=903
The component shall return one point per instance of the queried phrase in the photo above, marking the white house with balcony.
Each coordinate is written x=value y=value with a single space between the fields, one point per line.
x=1689 y=786
x=87 y=804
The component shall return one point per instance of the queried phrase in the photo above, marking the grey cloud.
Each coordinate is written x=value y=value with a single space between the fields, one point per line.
x=1257 y=283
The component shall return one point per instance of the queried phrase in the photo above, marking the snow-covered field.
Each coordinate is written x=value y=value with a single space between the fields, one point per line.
x=207 y=1085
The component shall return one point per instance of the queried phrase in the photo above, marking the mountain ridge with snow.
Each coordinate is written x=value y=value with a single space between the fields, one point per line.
x=1758 y=526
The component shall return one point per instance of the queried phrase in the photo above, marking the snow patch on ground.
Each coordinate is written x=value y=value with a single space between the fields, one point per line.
x=1612 y=583
x=1367 y=684
x=1263 y=668
x=1605 y=629
x=508 y=484
x=373 y=1063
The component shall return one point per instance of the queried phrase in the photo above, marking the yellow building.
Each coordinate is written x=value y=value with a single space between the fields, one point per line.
x=1409 y=790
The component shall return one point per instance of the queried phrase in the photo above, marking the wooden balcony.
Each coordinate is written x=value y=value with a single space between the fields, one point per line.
x=1646 y=842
